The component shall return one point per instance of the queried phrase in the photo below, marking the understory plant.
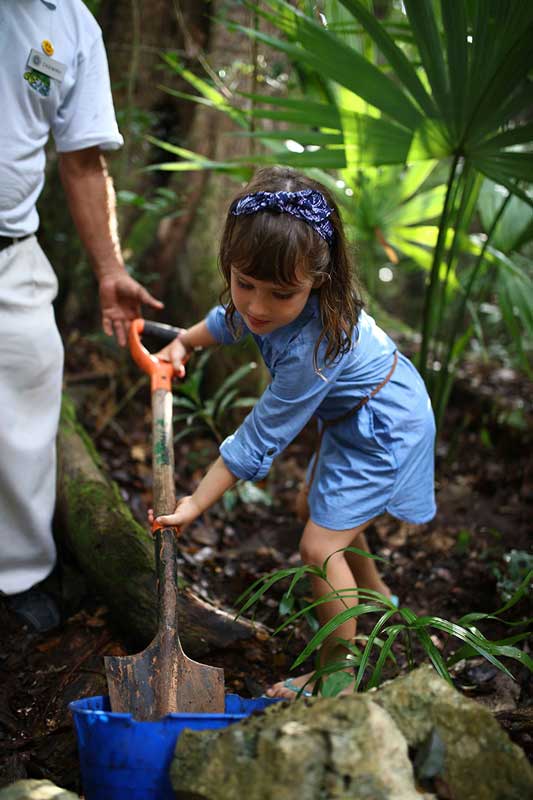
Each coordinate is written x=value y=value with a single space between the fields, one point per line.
x=395 y=628
x=211 y=414
x=436 y=84
x=199 y=414
x=516 y=565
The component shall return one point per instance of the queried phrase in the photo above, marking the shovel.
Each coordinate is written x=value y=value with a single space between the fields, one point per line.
x=162 y=679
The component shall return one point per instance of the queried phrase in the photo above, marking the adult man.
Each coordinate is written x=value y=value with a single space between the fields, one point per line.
x=54 y=79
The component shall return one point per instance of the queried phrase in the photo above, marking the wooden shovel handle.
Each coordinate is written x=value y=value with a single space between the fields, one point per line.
x=164 y=494
x=161 y=374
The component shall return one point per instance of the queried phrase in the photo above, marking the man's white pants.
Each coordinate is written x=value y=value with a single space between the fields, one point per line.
x=31 y=366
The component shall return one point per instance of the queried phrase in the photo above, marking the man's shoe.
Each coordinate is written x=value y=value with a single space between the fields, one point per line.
x=35 y=608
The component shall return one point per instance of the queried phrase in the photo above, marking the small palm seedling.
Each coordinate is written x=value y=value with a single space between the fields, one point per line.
x=209 y=415
x=362 y=667
x=214 y=416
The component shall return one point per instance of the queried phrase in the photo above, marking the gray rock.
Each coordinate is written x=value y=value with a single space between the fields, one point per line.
x=479 y=760
x=35 y=790
x=317 y=749
x=356 y=748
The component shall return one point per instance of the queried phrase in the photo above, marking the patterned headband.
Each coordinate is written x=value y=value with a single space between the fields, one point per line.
x=307 y=204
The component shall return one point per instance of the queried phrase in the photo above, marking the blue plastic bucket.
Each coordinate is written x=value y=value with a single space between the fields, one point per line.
x=124 y=759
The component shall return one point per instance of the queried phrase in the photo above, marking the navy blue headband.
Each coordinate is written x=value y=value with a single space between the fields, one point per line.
x=307 y=205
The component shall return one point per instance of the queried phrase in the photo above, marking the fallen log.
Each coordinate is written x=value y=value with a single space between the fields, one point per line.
x=117 y=554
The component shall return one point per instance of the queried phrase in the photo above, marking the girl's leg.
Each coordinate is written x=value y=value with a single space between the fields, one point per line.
x=365 y=570
x=316 y=545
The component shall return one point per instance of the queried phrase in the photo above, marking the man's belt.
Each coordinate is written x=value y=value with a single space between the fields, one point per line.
x=9 y=241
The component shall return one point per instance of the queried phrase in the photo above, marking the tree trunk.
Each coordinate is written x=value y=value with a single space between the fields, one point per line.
x=117 y=554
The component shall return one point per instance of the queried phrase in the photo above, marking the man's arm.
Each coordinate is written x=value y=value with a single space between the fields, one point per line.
x=91 y=199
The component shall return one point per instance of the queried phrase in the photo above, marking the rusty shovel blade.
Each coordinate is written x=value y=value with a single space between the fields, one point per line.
x=162 y=679
x=150 y=684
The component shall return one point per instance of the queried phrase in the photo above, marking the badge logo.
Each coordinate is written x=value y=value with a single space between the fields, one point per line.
x=39 y=83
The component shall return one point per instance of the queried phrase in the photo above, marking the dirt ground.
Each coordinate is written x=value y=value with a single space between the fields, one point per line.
x=459 y=563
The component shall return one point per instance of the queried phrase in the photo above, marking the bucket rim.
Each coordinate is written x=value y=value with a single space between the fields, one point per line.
x=76 y=706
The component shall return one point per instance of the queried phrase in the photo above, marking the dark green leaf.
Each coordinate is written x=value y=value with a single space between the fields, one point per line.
x=326 y=53
x=336 y=683
x=427 y=37
x=394 y=55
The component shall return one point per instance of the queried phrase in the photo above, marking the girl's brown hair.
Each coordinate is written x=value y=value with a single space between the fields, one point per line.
x=269 y=246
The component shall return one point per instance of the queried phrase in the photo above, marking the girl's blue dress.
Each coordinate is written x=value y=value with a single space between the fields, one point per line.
x=380 y=459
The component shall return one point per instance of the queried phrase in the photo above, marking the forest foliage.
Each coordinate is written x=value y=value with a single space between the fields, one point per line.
x=417 y=114
x=420 y=122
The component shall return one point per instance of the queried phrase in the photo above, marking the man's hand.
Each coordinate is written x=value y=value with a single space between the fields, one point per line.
x=186 y=512
x=91 y=200
x=120 y=301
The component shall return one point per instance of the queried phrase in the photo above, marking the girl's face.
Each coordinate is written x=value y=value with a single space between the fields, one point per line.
x=264 y=306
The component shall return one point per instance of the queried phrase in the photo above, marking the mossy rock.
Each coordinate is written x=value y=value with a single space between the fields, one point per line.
x=317 y=749
x=358 y=746
x=479 y=761
x=35 y=790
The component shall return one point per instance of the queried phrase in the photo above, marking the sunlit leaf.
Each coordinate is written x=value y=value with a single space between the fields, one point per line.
x=414 y=176
x=423 y=206
x=326 y=53
x=431 y=140
x=515 y=220
x=394 y=55
x=215 y=97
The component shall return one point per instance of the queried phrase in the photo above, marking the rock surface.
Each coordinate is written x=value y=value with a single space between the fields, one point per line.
x=35 y=790
x=313 y=749
x=358 y=747
x=479 y=760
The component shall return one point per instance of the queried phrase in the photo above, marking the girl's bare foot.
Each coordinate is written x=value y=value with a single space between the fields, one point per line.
x=289 y=688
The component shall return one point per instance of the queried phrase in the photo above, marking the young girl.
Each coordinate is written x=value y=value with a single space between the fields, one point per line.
x=289 y=284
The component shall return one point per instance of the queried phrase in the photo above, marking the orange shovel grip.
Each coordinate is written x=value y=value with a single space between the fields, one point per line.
x=157 y=526
x=160 y=372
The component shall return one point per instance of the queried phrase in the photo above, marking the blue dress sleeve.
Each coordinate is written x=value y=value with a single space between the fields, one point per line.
x=218 y=327
x=284 y=408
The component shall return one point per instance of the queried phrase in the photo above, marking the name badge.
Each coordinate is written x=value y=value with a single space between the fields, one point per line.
x=46 y=65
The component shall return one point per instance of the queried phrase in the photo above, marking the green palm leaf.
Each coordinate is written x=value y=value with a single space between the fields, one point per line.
x=516 y=223
x=423 y=206
x=394 y=55
x=427 y=36
x=326 y=53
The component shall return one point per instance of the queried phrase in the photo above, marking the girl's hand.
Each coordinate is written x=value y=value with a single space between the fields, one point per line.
x=177 y=354
x=186 y=512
